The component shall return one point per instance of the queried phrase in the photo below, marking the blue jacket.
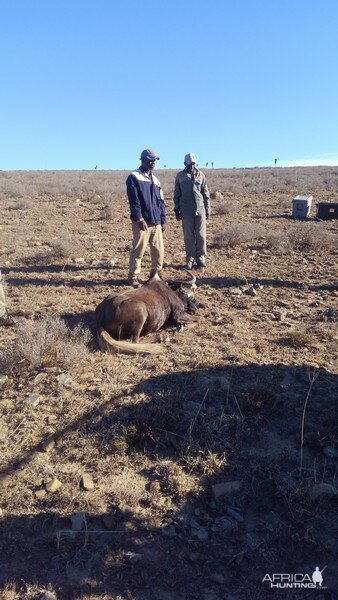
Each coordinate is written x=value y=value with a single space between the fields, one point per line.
x=145 y=198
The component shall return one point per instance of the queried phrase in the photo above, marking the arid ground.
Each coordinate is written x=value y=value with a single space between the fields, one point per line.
x=194 y=473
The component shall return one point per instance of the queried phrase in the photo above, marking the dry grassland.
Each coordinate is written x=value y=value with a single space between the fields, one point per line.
x=245 y=398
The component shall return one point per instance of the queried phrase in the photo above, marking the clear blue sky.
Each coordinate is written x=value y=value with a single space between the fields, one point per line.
x=86 y=83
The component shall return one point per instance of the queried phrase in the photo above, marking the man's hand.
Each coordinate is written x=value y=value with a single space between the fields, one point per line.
x=207 y=215
x=143 y=225
x=164 y=226
x=177 y=215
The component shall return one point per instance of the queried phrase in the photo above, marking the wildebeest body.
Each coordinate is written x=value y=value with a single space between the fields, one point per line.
x=137 y=312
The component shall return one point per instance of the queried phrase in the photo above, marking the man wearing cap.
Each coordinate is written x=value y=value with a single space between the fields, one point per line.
x=147 y=213
x=192 y=207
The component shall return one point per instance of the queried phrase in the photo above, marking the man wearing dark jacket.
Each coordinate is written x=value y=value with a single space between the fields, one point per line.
x=147 y=213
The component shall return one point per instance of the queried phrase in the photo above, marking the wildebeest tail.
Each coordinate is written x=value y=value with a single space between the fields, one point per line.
x=108 y=344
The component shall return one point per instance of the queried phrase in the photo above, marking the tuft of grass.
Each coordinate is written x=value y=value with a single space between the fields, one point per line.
x=108 y=212
x=235 y=234
x=47 y=342
x=216 y=195
x=310 y=236
x=299 y=339
x=225 y=207
x=66 y=246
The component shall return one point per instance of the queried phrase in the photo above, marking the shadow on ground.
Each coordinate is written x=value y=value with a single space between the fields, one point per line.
x=249 y=419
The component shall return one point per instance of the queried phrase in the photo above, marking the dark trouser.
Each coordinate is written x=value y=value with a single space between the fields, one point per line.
x=194 y=231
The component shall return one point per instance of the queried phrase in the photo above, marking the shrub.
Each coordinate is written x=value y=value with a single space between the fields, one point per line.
x=278 y=240
x=47 y=342
x=225 y=207
x=308 y=236
x=216 y=196
x=66 y=246
x=236 y=234
x=298 y=339
x=108 y=212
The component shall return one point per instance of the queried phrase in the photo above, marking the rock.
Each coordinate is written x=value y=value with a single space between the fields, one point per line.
x=32 y=400
x=323 y=491
x=223 y=525
x=235 y=515
x=280 y=315
x=109 y=521
x=112 y=262
x=250 y=291
x=53 y=485
x=40 y=494
x=227 y=487
x=79 y=261
x=87 y=482
x=199 y=531
x=233 y=291
x=65 y=380
x=39 y=377
x=78 y=520
x=218 y=578
x=133 y=557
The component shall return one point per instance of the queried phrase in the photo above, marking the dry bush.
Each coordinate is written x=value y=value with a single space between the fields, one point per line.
x=278 y=240
x=225 y=207
x=108 y=212
x=235 y=234
x=216 y=196
x=299 y=339
x=308 y=236
x=66 y=246
x=20 y=204
x=47 y=342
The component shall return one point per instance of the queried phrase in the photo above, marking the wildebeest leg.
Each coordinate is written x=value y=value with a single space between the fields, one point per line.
x=139 y=319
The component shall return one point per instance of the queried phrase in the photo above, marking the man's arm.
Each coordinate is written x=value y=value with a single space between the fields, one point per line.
x=206 y=197
x=134 y=200
x=162 y=208
x=177 y=199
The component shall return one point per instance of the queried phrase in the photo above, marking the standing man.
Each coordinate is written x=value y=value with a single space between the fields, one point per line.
x=5 y=318
x=147 y=213
x=192 y=207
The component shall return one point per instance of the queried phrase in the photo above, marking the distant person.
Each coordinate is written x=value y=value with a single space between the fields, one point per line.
x=192 y=207
x=147 y=213
x=5 y=318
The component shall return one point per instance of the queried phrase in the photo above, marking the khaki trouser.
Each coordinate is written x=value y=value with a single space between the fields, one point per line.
x=152 y=236
x=2 y=299
x=194 y=232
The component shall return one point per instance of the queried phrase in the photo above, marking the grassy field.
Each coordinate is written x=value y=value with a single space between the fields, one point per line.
x=196 y=472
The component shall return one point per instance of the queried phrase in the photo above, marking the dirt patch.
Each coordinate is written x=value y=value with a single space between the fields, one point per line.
x=245 y=398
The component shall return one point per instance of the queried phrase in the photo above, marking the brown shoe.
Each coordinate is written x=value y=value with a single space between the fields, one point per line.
x=6 y=320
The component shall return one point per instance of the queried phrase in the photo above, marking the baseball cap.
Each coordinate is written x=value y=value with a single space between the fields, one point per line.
x=149 y=154
x=189 y=159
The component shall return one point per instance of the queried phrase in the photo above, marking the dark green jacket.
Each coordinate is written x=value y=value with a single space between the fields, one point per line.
x=191 y=194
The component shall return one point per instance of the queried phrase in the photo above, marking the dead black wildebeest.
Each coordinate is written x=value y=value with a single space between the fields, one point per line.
x=123 y=318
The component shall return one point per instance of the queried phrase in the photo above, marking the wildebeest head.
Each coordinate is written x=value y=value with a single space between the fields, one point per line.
x=186 y=291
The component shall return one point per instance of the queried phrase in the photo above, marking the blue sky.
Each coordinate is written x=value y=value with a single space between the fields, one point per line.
x=237 y=83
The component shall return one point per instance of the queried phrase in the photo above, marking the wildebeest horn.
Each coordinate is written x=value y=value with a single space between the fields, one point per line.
x=192 y=278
